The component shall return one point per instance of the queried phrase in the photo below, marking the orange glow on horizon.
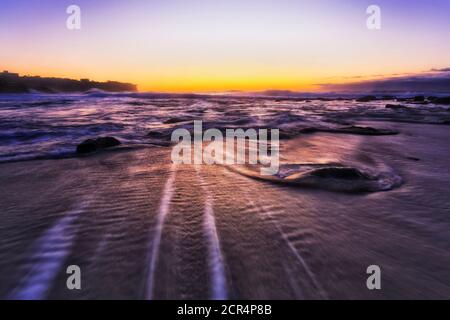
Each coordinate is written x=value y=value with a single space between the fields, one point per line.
x=207 y=81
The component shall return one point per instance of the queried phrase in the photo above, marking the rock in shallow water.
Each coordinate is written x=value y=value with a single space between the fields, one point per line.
x=92 y=145
x=176 y=120
x=369 y=131
x=396 y=106
x=339 y=173
x=331 y=177
x=442 y=100
x=366 y=99
x=289 y=133
x=163 y=135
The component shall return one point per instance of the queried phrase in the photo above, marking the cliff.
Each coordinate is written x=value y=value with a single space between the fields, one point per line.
x=13 y=83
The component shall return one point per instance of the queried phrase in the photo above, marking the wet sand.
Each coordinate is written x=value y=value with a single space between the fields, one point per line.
x=140 y=227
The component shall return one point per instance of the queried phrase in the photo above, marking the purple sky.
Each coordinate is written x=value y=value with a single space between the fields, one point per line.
x=194 y=45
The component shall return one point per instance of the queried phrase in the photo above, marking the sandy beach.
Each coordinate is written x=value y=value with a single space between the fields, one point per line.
x=141 y=227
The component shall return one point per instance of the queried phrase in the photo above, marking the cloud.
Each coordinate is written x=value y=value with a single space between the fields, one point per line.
x=436 y=82
x=441 y=70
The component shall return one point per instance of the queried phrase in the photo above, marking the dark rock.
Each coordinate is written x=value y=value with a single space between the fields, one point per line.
x=87 y=146
x=419 y=99
x=289 y=133
x=339 y=173
x=137 y=103
x=442 y=100
x=365 y=131
x=366 y=99
x=396 y=106
x=92 y=145
x=175 y=120
x=309 y=130
x=158 y=135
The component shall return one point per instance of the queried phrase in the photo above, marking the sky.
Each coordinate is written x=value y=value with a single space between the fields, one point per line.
x=218 y=45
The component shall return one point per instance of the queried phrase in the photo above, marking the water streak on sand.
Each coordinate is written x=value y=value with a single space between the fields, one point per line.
x=162 y=214
x=216 y=264
x=285 y=238
x=50 y=252
x=295 y=252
